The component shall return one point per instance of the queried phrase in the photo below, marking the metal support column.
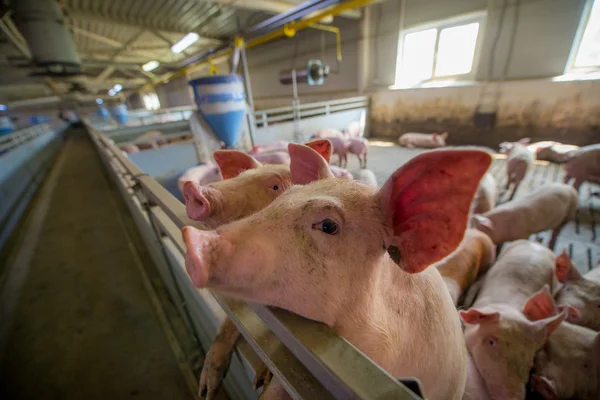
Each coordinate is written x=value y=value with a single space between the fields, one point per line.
x=250 y=115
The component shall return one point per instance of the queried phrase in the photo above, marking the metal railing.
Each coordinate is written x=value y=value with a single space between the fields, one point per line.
x=15 y=139
x=310 y=359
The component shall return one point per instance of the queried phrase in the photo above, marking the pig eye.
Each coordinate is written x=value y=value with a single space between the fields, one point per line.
x=327 y=226
x=491 y=341
x=275 y=187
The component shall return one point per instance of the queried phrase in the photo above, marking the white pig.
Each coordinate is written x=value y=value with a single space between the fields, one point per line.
x=365 y=176
x=200 y=175
x=500 y=339
x=568 y=366
x=423 y=140
x=548 y=207
x=485 y=199
x=519 y=158
x=342 y=253
x=583 y=165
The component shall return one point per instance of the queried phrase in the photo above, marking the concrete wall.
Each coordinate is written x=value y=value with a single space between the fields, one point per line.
x=529 y=103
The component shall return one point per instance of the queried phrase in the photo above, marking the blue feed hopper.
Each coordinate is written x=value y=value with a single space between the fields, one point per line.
x=222 y=102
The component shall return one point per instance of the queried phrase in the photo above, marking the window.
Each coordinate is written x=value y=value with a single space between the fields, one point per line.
x=440 y=50
x=151 y=101
x=585 y=54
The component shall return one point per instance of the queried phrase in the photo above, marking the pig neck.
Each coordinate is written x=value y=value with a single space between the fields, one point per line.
x=396 y=318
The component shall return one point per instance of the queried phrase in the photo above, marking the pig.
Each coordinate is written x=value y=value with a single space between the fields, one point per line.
x=583 y=165
x=501 y=340
x=353 y=130
x=327 y=134
x=341 y=172
x=360 y=147
x=581 y=292
x=355 y=258
x=519 y=158
x=365 y=176
x=548 y=207
x=146 y=141
x=473 y=257
x=280 y=145
x=423 y=140
x=275 y=157
x=201 y=175
x=129 y=148
x=485 y=199
x=247 y=186
x=340 y=147
x=555 y=152
x=568 y=366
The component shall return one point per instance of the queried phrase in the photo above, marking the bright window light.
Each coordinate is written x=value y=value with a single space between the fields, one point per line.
x=3 y=107
x=456 y=49
x=440 y=50
x=118 y=87
x=588 y=54
x=99 y=101
x=417 y=56
x=112 y=92
x=185 y=42
x=151 y=101
x=150 y=65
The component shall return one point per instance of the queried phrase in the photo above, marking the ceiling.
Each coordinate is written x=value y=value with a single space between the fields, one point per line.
x=115 y=37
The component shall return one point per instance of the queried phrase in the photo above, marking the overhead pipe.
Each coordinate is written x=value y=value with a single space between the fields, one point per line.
x=42 y=24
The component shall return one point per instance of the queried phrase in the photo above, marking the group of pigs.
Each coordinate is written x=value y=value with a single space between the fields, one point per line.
x=356 y=258
x=149 y=140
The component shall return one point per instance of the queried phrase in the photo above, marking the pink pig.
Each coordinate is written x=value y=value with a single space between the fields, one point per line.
x=280 y=145
x=275 y=157
x=201 y=175
x=549 y=207
x=340 y=147
x=248 y=186
x=583 y=165
x=129 y=148
x=365 y=176
x=519 y=158
x=501 y=340
x=342 y=253
x=485 y=199
x=327 y=133
x=360 y=147
x=340 y=172
x=568 y=366
x=353 y=130
x=423 y=140
x=581 y=292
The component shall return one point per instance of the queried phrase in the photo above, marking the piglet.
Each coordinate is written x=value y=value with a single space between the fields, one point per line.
x=365 y=176
x=274 y=157
x=353 y=130
x=423 y=140
x=519 y=158
x=129 y=148
x=248 y=186
x=485 y=199
x=360 y=147
x=501 y=340
x=341 y=172
x=473 y=257
x=340 y=147
x=201 y=175
x=354 y=258
x=583 y=165
x=555 y=152
x=328 y=133
x=280 y=145
x=581 y=292
x=548 y=207
x=568 y=366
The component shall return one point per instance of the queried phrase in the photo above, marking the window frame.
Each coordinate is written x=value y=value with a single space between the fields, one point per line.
x=583 y=24
x=463 y=19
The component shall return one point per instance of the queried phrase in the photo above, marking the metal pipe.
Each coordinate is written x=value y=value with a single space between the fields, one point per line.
x=295 y=13
x=248 y=93
x=338 y=37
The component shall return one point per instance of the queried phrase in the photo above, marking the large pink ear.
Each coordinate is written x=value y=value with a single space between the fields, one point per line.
x=474 y=316
x=565 y=270
x=323 y=147
x=306 y=165
x=444 y=135
x=525 y=140
x=232 y=162
x=540 y=305
x=426 y=203
x=549 y=325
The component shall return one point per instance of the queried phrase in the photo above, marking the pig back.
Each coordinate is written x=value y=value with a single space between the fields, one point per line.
x=584 y=162
x=523 y=268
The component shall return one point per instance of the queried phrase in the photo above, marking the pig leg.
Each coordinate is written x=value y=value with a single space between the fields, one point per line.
x=217 y=360
x=262 y=377
x=515 y=187
x=554 y=236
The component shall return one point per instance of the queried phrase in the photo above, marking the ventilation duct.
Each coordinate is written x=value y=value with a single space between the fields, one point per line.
x=42 y=24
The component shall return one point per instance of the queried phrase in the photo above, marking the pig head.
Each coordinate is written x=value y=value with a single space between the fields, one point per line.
x=248 y=186
x=578 y=292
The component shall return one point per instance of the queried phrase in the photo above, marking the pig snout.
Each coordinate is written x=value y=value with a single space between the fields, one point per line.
x=197 y=204
x=203 y=248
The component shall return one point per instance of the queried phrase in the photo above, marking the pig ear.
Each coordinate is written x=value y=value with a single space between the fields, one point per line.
x=444 y=135
x=426 y=203
x=540 y=305
x=525 y=140
x=233 y=162
x=565 y=270
x=474 y=316
x=306 y=165
x=323 y=147
x=573 y=314
x=549 y=325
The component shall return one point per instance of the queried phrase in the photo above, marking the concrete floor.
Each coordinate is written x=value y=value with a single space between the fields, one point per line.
x=83 y=325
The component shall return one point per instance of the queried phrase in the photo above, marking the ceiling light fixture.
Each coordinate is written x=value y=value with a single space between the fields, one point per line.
x=185 y=42
x=150 y=65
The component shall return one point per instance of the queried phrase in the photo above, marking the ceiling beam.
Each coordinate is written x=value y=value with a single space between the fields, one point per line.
x=106 y=72
x=114 y=43
x=273 y=6
x=14 y=39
